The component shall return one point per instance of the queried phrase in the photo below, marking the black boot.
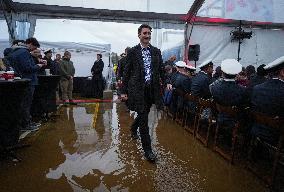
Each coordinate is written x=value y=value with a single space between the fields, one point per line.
x=150 y=156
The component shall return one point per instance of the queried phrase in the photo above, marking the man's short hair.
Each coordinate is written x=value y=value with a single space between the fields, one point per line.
x=144 y=26
x=100 y=55
x=67 y=53
x=33 y=41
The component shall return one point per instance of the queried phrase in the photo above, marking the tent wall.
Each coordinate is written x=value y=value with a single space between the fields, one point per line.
x=215 y=42
x=83 y=55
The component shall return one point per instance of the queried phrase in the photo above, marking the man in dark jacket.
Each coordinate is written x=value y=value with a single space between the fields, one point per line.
x=25 y=67
x=50 y=63
x=143 y=74
x=268 y=98
x=98 y=81
x=200 y=83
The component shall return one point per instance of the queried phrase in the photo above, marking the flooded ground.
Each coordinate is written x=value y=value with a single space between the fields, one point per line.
x=89 y=148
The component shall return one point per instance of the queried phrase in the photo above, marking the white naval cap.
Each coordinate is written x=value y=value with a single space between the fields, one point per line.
x=180 y=64
x=207 y=62
x=231 y=66
x=47 y=50
x=189 y=67
x=276 y=64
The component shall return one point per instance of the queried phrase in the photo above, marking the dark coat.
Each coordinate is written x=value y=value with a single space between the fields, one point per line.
x=183 y=82
x=229 y=93
x=97 y=70
x=50 y=65
x=134 y=78
x=268 y=98
x=121 y=65
x=24 y=65
x=200 y=85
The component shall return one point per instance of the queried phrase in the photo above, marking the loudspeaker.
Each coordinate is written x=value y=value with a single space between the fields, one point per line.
x=193 y=52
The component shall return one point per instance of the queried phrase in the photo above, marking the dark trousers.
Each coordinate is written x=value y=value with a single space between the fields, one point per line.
x=27 y=103
x=141 y=120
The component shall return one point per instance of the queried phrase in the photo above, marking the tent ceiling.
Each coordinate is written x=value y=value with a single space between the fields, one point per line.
x=157 y=6
x=79 y=13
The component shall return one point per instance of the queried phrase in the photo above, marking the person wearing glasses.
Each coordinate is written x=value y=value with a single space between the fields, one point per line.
x=142 y=84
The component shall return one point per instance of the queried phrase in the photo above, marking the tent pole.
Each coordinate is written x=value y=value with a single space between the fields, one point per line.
x=239 y=47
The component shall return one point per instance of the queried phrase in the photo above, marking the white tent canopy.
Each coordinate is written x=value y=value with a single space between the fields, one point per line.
x=248 y=10
x=158 y=6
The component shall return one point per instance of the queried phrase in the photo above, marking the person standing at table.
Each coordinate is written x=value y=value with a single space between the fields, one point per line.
x=25 y=67
x=97 y=78
x=50 y=62
x=67 y=72
x=142 y=85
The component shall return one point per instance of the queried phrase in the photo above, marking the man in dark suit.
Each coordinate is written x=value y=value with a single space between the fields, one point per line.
x=200 y=83
x=268 y=98
x=97 y=79
x=141 y=85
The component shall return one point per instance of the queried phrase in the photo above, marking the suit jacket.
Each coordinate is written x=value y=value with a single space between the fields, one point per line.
x=134 y=78
x=268 y=98
x=200 y=85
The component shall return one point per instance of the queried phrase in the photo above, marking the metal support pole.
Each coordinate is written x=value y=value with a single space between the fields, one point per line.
x=240 y=41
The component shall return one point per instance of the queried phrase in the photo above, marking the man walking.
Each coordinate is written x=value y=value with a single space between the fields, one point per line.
x=141 y=85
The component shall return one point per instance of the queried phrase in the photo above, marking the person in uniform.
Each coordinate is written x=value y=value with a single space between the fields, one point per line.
x=200 y=83
x=268 y=98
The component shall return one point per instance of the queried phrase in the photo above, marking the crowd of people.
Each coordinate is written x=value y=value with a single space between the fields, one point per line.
x=231 y=84
x=25 y=59
x=144 y=80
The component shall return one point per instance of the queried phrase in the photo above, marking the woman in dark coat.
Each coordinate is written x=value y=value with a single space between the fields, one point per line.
x=97 y=79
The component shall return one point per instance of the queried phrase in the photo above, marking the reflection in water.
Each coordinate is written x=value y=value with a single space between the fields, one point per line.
x=93 y=147
x=89 y=148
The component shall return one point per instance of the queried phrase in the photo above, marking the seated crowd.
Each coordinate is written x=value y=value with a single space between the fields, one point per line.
x=234 y=98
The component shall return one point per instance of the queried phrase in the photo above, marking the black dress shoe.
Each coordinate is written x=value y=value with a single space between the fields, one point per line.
x=134 y=136
x=150 y=156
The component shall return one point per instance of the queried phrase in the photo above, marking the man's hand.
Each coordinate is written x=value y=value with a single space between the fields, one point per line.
x=123 y=97
x=169 y=87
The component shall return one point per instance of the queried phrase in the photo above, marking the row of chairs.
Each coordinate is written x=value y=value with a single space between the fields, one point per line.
x=191 y=117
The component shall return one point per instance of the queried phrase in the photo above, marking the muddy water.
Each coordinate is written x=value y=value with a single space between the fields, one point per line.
x=88 y=148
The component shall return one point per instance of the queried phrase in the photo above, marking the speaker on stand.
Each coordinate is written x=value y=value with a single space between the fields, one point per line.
x=193 y=53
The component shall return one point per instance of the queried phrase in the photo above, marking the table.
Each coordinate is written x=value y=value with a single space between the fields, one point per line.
x=11 y=99
x=44 y=99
